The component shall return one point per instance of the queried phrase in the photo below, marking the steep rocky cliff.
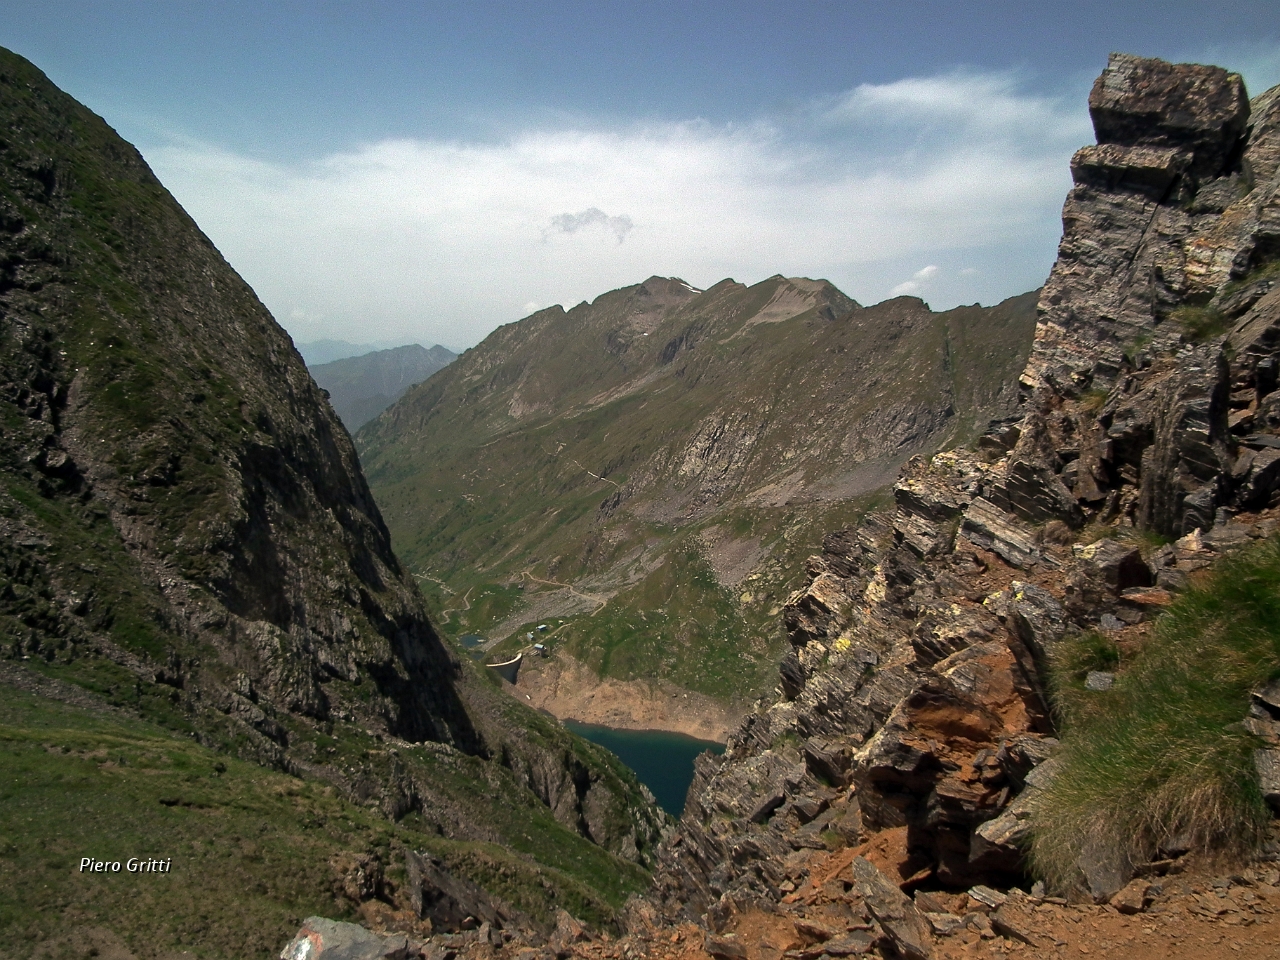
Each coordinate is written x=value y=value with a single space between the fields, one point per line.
x=185 y=530
x=912 y=725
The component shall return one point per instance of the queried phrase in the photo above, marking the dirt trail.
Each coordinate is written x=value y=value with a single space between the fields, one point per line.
x=593 y=597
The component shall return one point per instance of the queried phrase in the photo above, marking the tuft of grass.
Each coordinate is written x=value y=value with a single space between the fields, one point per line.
x=1134 y=348
x=1091 y=401
x=1269 y=270
x=1200 y=323
x=1163 y=754
x=1072 y=662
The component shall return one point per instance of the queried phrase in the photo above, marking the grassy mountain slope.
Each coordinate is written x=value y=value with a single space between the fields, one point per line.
x=185 y=535
x=649 y=469
x=362 y=387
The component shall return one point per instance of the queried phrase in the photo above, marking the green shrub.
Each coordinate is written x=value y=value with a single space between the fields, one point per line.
x=1091 y=401
x=1163 y=753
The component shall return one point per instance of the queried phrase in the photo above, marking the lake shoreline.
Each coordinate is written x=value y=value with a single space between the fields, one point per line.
x=662 y=760
x=569 y=690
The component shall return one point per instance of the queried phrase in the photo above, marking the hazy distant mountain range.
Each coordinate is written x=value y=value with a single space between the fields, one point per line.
x=362 y=387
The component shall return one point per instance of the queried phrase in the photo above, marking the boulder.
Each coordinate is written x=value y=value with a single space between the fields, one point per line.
x=1179 y=489
x=991 y=528
x=1140 y=102
x=1267 y=763
x=1036 y=494
x=1111 y=166
x=1104 y=869
x=724 y=948
x=447 y=901
x=569 y=930
x=826 y=760
x=855 y=943
x=1134 y=898
x=1119 y=564
x=322 y=939
x=1036 y=618
x=1267 y=700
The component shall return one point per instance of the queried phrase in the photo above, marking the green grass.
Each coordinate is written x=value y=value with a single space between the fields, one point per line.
x=1199 y=324
x=1264 y=271
x=1081 y=654
x=1163 y=755
x=1091 y=401
x=250 y=848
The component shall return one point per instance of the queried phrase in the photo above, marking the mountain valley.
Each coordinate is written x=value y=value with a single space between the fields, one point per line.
x=648 y=471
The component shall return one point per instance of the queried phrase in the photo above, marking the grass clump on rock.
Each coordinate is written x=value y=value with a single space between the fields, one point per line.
x=1201 y=323
x=1161 y=761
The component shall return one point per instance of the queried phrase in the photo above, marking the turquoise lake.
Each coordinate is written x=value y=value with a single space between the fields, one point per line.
x=663 y=761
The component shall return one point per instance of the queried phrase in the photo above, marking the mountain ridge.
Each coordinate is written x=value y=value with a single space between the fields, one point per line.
x=186 y=535
x=658 y=447
x=361 y=387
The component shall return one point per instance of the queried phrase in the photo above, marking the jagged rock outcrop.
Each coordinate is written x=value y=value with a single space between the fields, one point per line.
x=912 y=720
x=323 y=939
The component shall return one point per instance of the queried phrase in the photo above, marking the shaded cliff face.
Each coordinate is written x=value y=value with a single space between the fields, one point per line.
x=652 y=467
x=186 y=532
x=154 y=406
x=912 y=720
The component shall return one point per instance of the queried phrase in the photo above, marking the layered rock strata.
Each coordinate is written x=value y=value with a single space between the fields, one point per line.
x=911 y=724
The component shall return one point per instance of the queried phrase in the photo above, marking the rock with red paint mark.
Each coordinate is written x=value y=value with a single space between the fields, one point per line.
x=322 y=939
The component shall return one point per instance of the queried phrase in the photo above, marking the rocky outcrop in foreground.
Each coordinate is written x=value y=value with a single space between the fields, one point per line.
x=913 y=726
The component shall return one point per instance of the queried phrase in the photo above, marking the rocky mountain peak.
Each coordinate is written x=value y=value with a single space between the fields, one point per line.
x=1140 y=102
x=185 y=528
x=1175 y=200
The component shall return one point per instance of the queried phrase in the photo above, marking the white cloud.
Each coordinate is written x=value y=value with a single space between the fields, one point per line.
x=619 y=226
x=991 y=103
x=916 y=283
x=437 y=240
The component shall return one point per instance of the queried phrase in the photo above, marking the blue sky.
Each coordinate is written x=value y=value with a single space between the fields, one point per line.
x=390 y=172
